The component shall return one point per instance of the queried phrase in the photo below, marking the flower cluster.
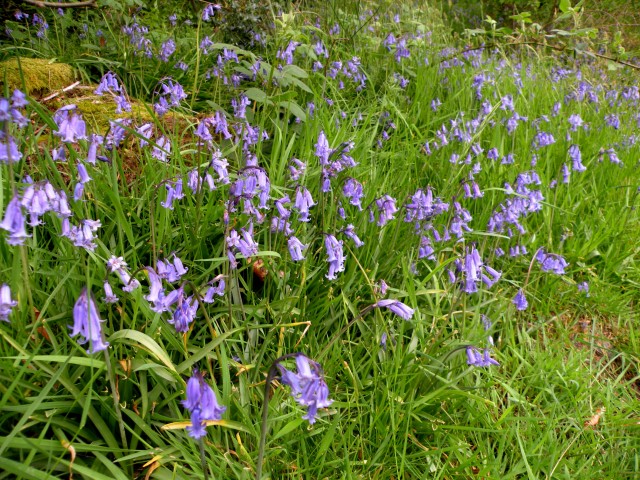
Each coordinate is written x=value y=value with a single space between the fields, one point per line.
x=307 y=385
x=87 y=323
x=472 y=270
x=397 y=307
x=202 y=404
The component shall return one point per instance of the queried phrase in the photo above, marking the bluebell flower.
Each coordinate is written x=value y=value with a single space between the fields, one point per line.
x=281 y=225
x=174 y=192
x=219 y=122
x=82 y=235
x=543 y=139
x=382 y=287
x=122 y=104
x=426 y=249
x=551 y=262
x=576 y=158
x=167 y=49
x=280 y=203
x=386 y=209
x=352 y=189
x=335 y=256
x=83 y=175
x=117 y=132
x=240 y=106
x=308 y=386
x=295 y=248
x=87 y=323
x=244 y=243
x=162 y=149
x=14 y=222
x=397 y=307
x=613 y=157
x=612 y=120
x=215 y=289
x=184 y=314
x=322 y=149
x=109 y=296
x=119 y=267
x=202 y=404
x=297 y=169
x=9 y=152
x=78 y=191
x=156 y=291
x=209 y=11
x=476 y=359
x=474 y=270
x=520 y=301
x=108 y=83
x=575 y=122
x=583 y=287
x=303 y=202
x=181 y=65
x=350 y=232
x=171 y=271
x=566 y=173
x=287 y=54
x=6 y=302
x=94 y=142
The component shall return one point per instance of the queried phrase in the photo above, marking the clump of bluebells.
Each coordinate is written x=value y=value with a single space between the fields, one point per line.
x=202 y=404
x=307 y=384
x=444 y=232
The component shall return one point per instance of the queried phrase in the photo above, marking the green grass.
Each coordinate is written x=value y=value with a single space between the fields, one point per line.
x=413 y=409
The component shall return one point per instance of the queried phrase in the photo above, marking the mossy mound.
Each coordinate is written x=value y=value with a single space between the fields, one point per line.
x=37 y=76
x=99 y=110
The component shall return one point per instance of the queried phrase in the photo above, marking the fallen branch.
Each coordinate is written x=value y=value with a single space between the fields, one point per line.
x=42 y=4
x=65 y=89
x=540 y=44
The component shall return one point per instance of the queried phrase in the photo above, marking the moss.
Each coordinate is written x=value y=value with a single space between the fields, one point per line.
x=98 y=110
x=35 y=75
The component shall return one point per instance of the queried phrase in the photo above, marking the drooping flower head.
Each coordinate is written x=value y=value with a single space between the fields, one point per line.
x=397 y=307
x=308 y=387
x=477 y=359
x=295 y=248
x=202 y=404
x=6 y=303
x=520 y=301
x=551 y=262
x=335 y=256
x=87 y=323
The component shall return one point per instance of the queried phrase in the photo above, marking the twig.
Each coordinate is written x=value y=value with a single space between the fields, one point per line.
x=540 y=44
x=42 y=4
x=65 y=89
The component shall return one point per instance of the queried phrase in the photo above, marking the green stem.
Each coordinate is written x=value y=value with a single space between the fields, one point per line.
x=116 y=399
x=203 y=459
x=265 y=411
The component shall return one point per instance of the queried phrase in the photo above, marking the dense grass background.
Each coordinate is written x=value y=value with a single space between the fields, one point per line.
x=406 y=404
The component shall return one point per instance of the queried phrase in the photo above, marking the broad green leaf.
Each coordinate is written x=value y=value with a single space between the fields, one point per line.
x=83 y=361
x=133 y=337
x=256 y=95
x=294 y=108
